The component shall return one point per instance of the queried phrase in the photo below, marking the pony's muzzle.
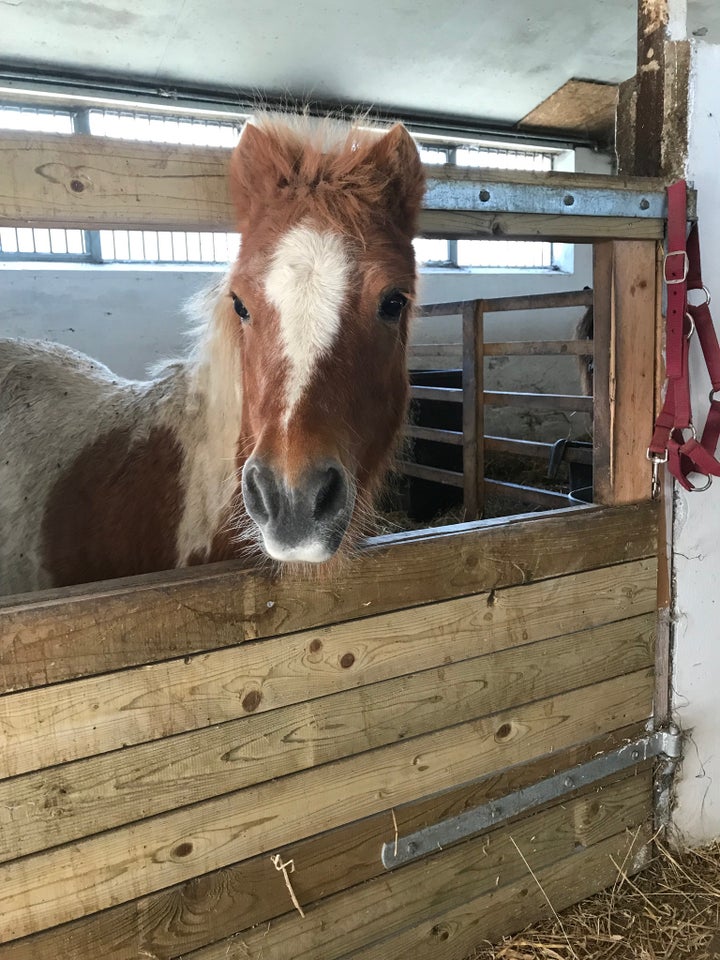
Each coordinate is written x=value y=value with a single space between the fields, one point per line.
x=303 y=523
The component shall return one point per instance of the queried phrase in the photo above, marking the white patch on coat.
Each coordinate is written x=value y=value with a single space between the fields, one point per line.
x=54 y=402
x=307 y=284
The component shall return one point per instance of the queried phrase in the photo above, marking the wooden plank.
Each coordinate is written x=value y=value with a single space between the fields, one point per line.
x=447 y=309
x=91 y=182
x=603 y=286
x=212 y=906
x=540 y=301
x=533 y=448
x=473 y=411
x=525 y=494
x=625 y=319
x=475 y=224
x=62 y=884
x=50 y=725
x=449 y=478
x=580 y=106
x=67 y=803
x=436 y=349
x=343 y=924
x=53 y=636
x=633 y=372
x=538 y=401
x=455 y=934
x=539 y=348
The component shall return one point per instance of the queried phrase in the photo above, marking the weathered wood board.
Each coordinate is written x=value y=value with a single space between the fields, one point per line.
x=212 y=718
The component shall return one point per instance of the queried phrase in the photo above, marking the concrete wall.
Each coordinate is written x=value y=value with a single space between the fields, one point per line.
x=696 y=555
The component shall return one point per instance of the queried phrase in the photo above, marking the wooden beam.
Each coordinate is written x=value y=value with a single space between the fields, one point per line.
x=507 y=398
x=67 y=882
x=95 y=182
x=533 y=448
x=91 y=795
x=624 y=375
x=212 y=906
x=578 y=106
x=52 y=636
x=434 y=434
x=651 y=35
x=386 y=908
x=540 y=301
x=449 y=478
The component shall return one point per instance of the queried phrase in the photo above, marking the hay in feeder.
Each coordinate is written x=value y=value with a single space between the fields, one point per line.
x=670 y=911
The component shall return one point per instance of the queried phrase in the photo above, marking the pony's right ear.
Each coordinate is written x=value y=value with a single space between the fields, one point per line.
x=255 y=171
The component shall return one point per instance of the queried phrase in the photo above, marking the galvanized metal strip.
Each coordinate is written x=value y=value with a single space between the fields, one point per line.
x=544 y=199
x=665 y=743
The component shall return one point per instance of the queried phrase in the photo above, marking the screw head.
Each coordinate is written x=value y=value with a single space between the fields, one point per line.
x=568 y=199
x=644 y=204
x=484 y=195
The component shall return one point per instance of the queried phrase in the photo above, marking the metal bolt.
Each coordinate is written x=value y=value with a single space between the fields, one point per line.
x=644 y=204
x=484 y=195
x=635 y=754
x=495 y=812
x=569 y=782
x=568 y=199
x=411 y=847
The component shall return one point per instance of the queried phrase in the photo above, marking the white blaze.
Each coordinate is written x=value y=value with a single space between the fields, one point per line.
x=307 y=284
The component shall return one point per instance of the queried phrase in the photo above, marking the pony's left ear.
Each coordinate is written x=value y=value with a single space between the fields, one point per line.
x=396 y=156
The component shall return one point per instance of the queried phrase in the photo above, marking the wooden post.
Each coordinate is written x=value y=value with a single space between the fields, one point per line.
x=625 y=276
x=473 y=409
x=651 y=121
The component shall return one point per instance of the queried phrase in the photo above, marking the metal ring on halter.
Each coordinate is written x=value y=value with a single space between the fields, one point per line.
x=704 y=487
x=711 y=395
x=655 y=457
x=689 y=427
x=691 y=331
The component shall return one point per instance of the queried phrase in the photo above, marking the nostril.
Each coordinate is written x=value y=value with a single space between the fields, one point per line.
x=330 y=498
x=256 y=495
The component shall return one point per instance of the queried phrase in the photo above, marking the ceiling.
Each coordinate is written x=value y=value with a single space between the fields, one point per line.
x=480 y=59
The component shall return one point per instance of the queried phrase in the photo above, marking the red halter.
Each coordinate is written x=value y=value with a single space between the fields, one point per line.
x=682 y=273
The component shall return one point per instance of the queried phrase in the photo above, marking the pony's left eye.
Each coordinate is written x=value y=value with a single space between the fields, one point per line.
x=240 y=309
x=392 y=305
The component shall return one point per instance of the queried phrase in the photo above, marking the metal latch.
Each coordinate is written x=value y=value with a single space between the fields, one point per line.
x=662 y=743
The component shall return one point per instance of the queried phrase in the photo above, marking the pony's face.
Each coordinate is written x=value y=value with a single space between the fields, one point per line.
x=322 y=293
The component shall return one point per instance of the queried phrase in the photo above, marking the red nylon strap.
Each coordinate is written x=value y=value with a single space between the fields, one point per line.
x=683 y=273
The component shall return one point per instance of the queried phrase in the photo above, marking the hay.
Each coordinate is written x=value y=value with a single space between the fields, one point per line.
x=670 y=911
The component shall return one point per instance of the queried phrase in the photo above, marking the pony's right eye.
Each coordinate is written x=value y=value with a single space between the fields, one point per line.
x=240 y=309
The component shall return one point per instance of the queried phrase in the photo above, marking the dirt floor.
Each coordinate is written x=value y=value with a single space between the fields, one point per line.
x=671 y=911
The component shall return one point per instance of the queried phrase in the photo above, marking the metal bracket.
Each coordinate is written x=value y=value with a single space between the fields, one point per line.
x=663 y=743
x=544 y=199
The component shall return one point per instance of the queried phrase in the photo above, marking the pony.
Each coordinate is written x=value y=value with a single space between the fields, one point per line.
x=270 y=438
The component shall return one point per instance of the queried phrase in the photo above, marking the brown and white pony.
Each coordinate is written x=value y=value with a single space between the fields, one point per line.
x=277 y=428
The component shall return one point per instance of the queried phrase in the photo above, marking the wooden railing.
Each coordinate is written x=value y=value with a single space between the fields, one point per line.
x=474 y=398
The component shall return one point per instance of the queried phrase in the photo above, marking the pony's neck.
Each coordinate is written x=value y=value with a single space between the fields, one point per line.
x=212 y=433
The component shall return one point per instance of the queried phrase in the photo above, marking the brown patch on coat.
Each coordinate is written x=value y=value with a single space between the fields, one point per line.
x=115 y=510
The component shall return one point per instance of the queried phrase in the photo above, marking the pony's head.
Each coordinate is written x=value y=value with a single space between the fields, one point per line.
x=322 y=292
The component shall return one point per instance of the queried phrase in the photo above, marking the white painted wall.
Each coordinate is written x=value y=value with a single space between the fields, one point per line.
x=130 y=317
x=696 y=554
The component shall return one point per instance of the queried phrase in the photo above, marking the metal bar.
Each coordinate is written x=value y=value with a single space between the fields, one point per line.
x=536 y=495
x=541 y=301
x=434 y=474
x=544 y=198
x=534 y=448
x=540 y=348
x=443 y=394
x=437 y=435
x=539 y=401
x=664 y=743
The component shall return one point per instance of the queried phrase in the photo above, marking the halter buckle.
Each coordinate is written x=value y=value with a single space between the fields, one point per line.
x=686 y=266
